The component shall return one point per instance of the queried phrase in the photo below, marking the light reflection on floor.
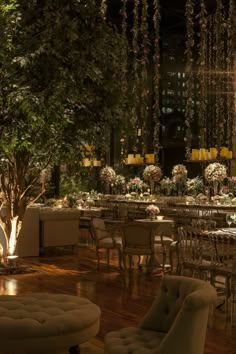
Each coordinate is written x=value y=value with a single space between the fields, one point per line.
x=8 y=287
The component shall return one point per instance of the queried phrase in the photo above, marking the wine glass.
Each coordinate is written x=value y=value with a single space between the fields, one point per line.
x=229 y=219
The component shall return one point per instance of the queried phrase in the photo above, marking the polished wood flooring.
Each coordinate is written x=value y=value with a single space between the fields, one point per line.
x=123 y=298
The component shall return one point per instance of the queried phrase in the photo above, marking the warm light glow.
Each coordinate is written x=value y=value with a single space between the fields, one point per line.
x=13 y=236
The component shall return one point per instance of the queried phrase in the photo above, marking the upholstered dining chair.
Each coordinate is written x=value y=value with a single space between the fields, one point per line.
x=203 y=224
x=106 y=240
x=223 y=263
x=194 y=253
x=176 y=322
x=164 y=241
x=137 y=240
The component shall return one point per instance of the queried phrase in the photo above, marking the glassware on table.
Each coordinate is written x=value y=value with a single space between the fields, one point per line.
x=229 y=219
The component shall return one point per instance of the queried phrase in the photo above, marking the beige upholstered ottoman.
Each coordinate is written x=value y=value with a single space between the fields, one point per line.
x=46 y=323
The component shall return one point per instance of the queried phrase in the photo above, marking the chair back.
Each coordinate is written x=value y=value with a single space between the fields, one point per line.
x=188 y=243
x=181 y=301
x=137 y=239
x=98 y=229
x=223 y=249
x=203 y=224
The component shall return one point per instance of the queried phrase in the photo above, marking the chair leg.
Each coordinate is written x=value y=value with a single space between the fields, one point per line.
x=233 y=301
x=98 y=259
x=120 y=259
x=163 y=260
x=130 y=262
x=108 y=258
x=124 y=261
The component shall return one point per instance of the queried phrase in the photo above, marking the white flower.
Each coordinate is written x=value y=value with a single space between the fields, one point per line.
x=152 y=209
x=179 y=170
x=152 y=173
x=179 y=173
x=215 y=172
x=119 y=180
x=108 y=175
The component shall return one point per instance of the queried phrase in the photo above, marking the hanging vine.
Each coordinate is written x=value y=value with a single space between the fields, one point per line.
x=134 y=70
x=156 y=80
x=230 y=101
x=189 y=13
x=125 y=48
x=219 y=44
x=202 y=109
x=211 y=82
x=124 y=70
x=104 y=8
x=144 y=111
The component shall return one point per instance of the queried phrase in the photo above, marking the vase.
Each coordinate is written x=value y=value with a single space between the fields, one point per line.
x=180 y=188
x=152 y=186
x=215 y=187
x=107 y=188
x=152 y=216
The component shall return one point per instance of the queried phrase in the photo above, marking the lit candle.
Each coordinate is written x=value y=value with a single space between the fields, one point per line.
x=214 y=153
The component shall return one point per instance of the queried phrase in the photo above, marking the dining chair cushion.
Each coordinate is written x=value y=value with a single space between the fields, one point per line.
x=109 y=242
x=165 y=239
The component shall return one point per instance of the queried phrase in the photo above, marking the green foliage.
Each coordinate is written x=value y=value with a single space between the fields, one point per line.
x=70 y=185
x=60 y=65
x=60 y=85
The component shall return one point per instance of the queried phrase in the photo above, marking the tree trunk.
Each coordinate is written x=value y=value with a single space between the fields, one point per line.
x=11 y=226
x=15 y=230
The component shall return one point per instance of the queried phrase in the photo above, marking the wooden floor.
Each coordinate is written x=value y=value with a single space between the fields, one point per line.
x=123 y=298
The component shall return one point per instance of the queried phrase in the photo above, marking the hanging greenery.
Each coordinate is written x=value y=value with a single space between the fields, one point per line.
x=134 y=69
x=219 y=69
x=104 y=8
x=124 y=137
x=202 y=109
x=210 y=81
x=215 y=43
x=189 y=93
x=124 y=33
x=156 y=80
x=145 y=49
x=230 y=101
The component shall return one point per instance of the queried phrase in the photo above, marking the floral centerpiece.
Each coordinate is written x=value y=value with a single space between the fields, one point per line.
x=232 y=185
x=152 y=174
x=179 y=175
x=107 y=176
x=136 y=184
x=119 y=183
x=152 y=211
x=179 y=172
x=194 y=186
x=215 y=173
x=167 y=186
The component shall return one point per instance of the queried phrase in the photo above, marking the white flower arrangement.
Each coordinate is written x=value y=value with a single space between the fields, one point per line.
x=119 y=180
x=179 y=174
x=108 y=175
x=194 y=185
x=136 y=184
x=152 y=210
x=179 y=170
x=152 y=173
x=215 y=172
x=167 y=185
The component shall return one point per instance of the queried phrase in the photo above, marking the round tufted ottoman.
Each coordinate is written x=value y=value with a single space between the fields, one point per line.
x=46 y=323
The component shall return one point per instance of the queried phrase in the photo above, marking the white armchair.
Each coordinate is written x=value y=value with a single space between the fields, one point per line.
x=175 y=324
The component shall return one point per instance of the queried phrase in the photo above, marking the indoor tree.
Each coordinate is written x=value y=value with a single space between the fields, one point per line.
x=60 y=86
